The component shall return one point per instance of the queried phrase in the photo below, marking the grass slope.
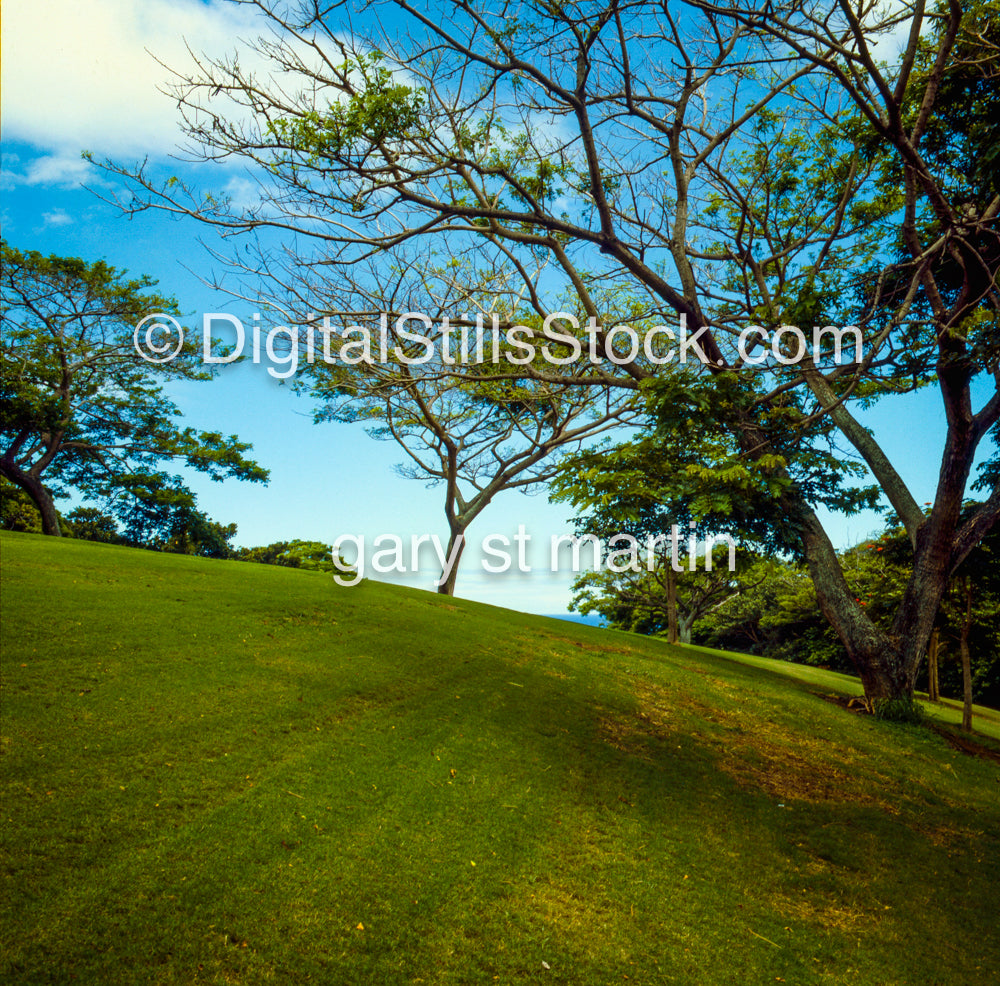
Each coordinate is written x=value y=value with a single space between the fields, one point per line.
x=217 y=772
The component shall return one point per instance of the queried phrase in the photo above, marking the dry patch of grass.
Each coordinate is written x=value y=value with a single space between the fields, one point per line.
x=950 y=835
x=561 y=907
x=820 y=912
x=657 y=717
x=542 y=644
x=753 y=751
x=786 y=775
x=626 y=735
x=763 y=755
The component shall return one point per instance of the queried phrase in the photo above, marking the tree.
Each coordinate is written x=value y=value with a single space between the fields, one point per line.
x=91 y=524
x=162 y=516
x=420 y=368
x=474 y=437
x=662 y=601
x=657 y=485
x=311 y=555
x=878 y=573
x=725 y=165
x=82 y=408
x=17 y=510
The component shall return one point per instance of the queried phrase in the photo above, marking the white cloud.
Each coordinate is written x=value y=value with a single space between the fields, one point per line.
x=889 y=45
x=77 y=76
x=58 y=217
x=244 y=193
x=66 y=171
x=58 y=169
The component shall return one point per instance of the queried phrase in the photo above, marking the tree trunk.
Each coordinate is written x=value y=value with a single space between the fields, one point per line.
x=456 y=544
x=933 y=691
x=888 y=662
x=40 y=496
x=880 y=664
x=963 y=644
x=672 y=635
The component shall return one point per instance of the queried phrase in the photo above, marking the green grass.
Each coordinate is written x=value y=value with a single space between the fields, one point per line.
x=947 y=711
x=217 y=772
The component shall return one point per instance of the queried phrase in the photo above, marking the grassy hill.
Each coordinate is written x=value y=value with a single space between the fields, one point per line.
x=217 y=772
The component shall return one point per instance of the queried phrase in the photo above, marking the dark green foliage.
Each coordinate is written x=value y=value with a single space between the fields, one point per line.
x=17 y=511
x=690 y=464
x=82 y=409
x=902 y=710
x=91 y=524
x=162 y=514
x=310 y=555
x=639 y=600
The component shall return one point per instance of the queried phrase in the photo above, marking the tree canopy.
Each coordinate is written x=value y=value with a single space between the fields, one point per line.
x=82 y=409
x=463 y=425
x=737 y=173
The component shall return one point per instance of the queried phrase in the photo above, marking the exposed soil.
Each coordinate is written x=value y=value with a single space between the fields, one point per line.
x=964 y=744
x=855 y=704
x=967 y=745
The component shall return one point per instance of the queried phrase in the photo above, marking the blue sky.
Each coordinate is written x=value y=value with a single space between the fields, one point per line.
x=78 y=76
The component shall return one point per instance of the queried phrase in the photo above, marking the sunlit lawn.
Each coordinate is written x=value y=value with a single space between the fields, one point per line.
x=217 y=772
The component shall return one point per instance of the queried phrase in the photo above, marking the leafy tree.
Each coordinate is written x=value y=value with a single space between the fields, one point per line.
x=472 y=434
x=310 y=555
x=271 y=554
x=17 y=510
x=91 y=524
x=193 y=532
x=82 y=409
x=662 y=601
x=163 y=516
x=659 y=482
x=475 y=441
x=716 y=161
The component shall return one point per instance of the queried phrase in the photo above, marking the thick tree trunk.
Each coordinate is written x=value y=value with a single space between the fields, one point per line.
x=963 y=645
x=672 y=634
x=879 y=663
x=933 y=690
x=888 y=662
x=914 y=620
x=40 y=496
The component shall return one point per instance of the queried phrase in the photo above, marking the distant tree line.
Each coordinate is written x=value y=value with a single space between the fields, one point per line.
x=768 y=607
x=175 y=524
